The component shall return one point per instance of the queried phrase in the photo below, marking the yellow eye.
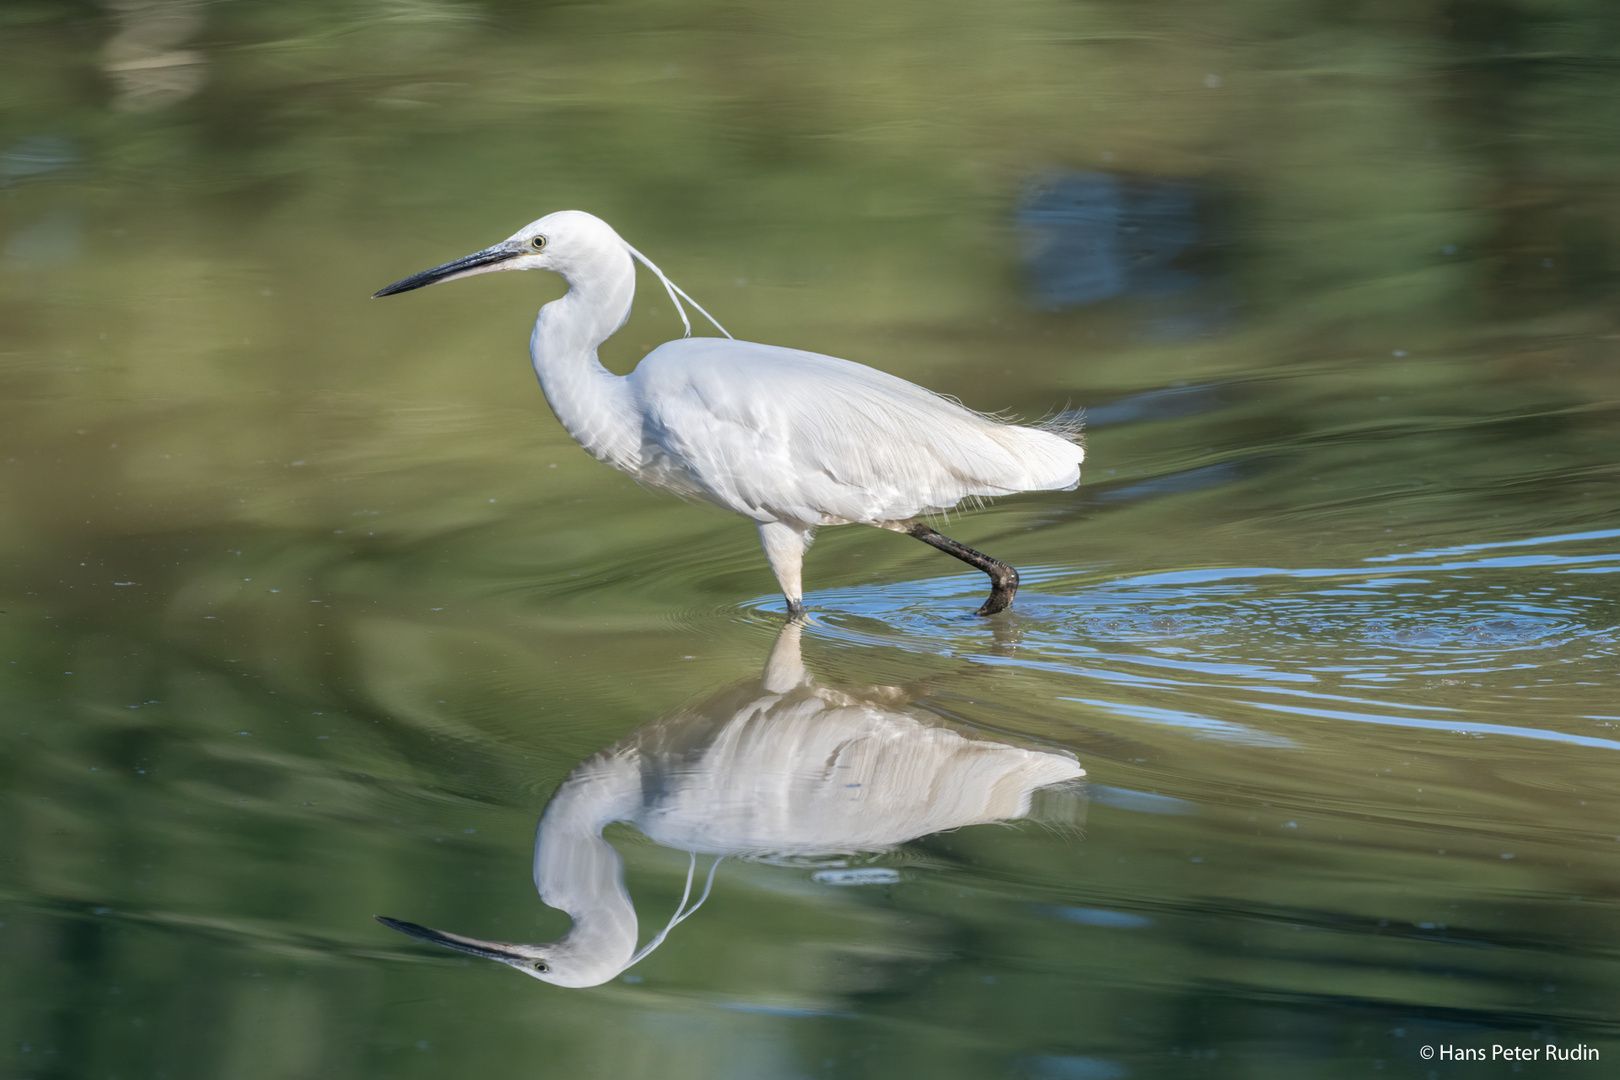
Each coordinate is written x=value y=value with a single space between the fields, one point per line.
x=541 y=965
x=537 y=243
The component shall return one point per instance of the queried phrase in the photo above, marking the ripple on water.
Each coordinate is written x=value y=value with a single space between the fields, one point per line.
x=1267 y=619
x=1372 y=622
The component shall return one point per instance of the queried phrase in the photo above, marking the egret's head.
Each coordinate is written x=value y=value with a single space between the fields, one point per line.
x=554 y=963
x=567 y=242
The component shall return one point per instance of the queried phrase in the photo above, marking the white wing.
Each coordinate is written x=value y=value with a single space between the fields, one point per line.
x=819 y=772
x=780 y=434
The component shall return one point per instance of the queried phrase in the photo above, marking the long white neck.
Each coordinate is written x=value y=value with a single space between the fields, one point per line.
x=589 y=400
x=579 y=873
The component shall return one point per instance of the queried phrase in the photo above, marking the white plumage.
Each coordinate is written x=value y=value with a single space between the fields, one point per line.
x=778 y=434
x=779 y=767
x=792 y=440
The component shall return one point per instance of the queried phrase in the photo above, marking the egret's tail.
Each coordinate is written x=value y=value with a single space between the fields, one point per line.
x=1068 y=424
x=1049 y=454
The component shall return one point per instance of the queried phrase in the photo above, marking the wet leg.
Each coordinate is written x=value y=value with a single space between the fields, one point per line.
x=1003 y=578
x=784 y=546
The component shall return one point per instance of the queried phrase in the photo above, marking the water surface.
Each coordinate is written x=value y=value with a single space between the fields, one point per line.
x=310 y=608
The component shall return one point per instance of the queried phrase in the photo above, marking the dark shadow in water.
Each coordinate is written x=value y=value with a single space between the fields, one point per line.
x=774 y=768
x=1095 y=236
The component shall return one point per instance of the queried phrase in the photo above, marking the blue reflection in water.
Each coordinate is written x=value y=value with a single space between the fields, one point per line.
x=1054 y=1067
x=1467 y=549
x=1207 y=726
x=1140 y=801
x=34 y=157
x=1112 y=920
x=1090 y=236
x=1224 y=647
x=1168 y=403
x=1094 y=236
x=1199 y=479
x=866 y=875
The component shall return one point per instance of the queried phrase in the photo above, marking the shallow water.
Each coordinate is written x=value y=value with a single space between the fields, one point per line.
x=311 y=608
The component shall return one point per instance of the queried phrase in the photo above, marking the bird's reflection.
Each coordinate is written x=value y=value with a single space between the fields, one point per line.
x=779 y=767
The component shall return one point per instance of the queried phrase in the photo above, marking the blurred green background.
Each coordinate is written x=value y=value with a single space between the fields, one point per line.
x=309 y=604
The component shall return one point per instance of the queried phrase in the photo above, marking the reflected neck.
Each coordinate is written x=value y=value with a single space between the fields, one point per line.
x=579 y=873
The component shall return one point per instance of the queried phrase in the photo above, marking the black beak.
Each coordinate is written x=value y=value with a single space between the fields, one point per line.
x=474 y=262
x=490 y=950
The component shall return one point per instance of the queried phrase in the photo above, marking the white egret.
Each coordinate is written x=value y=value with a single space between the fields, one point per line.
x=792 y=440
x=774 y=768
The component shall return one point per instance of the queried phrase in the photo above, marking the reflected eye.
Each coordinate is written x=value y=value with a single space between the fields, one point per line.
x=537 y=243
x=541 y=965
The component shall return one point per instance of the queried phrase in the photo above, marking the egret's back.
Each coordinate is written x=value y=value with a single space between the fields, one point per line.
x=817 y=772
x=793 y=440
x=782 y=434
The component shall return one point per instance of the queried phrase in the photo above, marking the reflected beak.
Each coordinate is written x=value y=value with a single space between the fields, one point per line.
x=489 y=950
x=479 y=262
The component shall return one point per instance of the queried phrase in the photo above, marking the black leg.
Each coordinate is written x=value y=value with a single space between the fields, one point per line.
x=1003 y=578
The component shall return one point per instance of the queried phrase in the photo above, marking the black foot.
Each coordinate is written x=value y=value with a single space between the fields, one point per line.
x=1003 y=578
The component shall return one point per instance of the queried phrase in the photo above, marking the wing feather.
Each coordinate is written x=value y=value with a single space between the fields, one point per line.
x=780 y=434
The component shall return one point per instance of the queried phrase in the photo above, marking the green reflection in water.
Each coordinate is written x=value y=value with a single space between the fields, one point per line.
x=239 y=497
